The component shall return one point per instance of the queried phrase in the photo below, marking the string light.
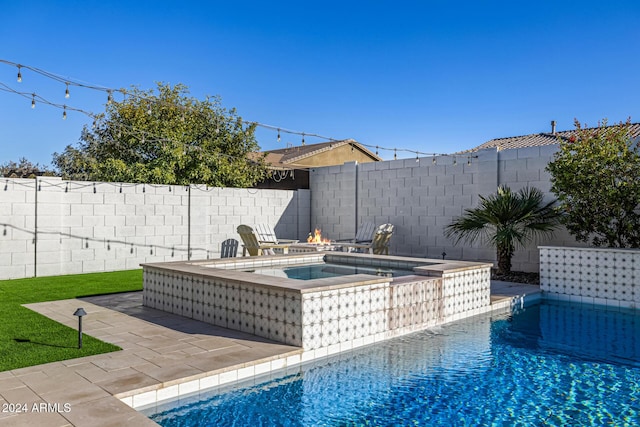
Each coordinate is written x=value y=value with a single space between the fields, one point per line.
x=455 y=161
x=395 y=154
x=110 y=91
x=64 y=113
x=433 y=159
x=33 y=100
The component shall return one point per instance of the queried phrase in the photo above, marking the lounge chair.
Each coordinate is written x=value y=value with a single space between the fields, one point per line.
x=252 y=245
x=266 y=234
x=364 y=234
x=379 y=244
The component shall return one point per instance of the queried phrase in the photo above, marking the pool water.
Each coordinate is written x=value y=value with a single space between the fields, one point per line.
x=550 y=364
x=324 y=270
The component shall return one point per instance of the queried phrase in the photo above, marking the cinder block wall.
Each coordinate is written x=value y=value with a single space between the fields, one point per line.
x=422 y=197
x=51 y=227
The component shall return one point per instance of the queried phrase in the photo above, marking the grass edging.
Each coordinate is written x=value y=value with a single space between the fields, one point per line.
x=28 y=338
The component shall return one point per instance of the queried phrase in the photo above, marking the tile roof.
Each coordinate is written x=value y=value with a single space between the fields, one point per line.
x=536 y=140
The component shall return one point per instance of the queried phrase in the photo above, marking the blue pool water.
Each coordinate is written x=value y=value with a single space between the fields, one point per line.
x=550 y=364
x=324 y=270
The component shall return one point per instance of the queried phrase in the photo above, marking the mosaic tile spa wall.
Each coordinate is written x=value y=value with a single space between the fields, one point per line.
x=591 y=275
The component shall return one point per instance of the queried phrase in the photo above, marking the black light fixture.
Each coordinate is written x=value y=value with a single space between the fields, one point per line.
x=80 y=312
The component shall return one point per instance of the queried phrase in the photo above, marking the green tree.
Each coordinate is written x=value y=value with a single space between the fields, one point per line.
x=506 y=220
x=24 y=169
x=596 y=177
x=165 y=138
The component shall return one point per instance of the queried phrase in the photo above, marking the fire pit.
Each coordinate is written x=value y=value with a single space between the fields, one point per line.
x=315 y=243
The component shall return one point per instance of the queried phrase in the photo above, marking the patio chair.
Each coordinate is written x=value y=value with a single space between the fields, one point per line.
x=364 y=234
x=266 y=234
x=229 y=248
x=379 y=244
x=253 y=246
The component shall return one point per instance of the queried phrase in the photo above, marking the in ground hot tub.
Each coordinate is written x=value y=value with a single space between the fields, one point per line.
x=366 y=298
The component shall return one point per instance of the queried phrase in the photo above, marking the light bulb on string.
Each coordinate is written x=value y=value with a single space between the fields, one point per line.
x=33 y=100
x=64 y=113
x=376 y=150
x=455 y=161
x=417 y=159
x=433 y=159
x=278 y=135
x=66 y=91
x=302 y=138
x=395 y=154
x=109 y=97
x=19 y=74
x=469 y=161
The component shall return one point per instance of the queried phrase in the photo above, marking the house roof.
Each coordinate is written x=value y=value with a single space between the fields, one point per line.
x=291 y=155
x=537 y=139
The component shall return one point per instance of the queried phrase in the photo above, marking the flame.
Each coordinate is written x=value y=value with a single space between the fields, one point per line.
x=316 y=238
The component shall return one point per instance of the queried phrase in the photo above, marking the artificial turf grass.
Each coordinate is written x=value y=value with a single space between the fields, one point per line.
x=28 y=338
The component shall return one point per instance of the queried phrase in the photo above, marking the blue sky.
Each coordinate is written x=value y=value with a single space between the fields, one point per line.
x=432 y=76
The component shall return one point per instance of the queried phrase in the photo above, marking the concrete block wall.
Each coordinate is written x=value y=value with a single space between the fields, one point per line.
x=421 y=197
x=334 y=210
x=519 y=168
x=17 y=219
x=52 y=227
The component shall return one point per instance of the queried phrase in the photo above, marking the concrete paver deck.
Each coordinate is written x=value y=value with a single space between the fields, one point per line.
x=158 y=350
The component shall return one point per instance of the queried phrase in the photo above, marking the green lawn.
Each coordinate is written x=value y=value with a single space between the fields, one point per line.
x=28 y=338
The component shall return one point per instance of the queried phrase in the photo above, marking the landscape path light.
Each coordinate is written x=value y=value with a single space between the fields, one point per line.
x=80 y=312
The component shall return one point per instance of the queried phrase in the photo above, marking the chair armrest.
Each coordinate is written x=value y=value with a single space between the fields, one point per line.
x=274 y=245
x=288 y=241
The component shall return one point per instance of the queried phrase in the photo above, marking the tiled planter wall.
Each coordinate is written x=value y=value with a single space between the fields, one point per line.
x=591 y=275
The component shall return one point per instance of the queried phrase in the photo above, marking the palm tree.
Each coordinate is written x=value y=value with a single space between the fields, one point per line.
x=506 y=220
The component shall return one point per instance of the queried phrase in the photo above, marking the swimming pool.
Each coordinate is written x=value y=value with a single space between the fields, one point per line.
x=550 y=364
x=325 y=270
